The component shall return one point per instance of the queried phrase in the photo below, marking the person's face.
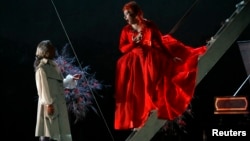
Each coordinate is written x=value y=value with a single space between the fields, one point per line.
x=129 y=17
x=39 y=52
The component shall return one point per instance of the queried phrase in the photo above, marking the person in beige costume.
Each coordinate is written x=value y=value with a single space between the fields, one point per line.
x=52 y=115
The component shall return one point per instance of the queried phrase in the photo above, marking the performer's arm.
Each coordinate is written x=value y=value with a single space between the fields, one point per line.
x=70 y=82
x=125 y=45
x=43 y=88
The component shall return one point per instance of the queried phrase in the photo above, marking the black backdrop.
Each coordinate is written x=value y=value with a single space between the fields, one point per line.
x=93 y=27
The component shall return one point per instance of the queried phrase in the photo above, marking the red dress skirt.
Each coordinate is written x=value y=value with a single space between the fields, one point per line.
x=154 y=81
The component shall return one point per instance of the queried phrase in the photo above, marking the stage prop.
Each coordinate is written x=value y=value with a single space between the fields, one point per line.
x=231 y=105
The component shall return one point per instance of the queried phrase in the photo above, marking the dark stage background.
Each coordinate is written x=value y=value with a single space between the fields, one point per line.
x=93 y=28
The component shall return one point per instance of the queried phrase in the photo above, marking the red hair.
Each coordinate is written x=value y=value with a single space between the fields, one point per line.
x=135 y=9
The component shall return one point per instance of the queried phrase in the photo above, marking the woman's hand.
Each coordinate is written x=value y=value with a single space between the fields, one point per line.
x=50 y=109
x=77 y=76
x=137 y=39
x=177 y=59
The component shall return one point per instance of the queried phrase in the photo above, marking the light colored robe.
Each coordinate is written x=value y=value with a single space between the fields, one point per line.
x=50 y=88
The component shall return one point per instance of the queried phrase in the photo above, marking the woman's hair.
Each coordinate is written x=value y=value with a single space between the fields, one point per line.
x=45 y=49
x=135 y=9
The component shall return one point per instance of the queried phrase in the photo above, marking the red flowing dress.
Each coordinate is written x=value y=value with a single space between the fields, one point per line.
x=148 y=78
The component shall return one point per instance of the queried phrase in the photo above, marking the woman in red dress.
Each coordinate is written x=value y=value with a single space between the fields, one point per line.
x=155 y=72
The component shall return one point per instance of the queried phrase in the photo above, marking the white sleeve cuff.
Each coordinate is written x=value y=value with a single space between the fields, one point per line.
x=69 y=82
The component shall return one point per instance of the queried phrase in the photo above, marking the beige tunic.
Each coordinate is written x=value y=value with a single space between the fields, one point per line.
x=50 y=88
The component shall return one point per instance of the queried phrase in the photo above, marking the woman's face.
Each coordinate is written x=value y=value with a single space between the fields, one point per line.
x=129 y=17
